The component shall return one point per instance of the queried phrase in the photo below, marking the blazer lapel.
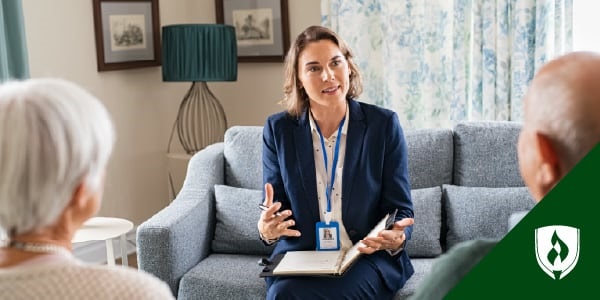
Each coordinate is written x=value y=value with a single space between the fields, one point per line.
x=354 y=147
x=306 y=164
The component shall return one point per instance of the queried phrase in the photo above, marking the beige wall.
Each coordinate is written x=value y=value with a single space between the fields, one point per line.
x=60 y=40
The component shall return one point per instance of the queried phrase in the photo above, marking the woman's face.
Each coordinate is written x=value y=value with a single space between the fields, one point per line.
x=324 y=73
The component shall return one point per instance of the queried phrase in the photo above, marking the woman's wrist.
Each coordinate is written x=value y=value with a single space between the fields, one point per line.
x=267 y=240
x=395 y=252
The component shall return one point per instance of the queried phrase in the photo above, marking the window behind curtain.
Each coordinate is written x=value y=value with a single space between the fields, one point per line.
x=585 y=25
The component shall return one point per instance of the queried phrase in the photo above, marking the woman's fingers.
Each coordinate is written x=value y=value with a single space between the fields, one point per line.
x=291 y=232
x=268 y=195
x=282 y=226
x=400 y=225
x=387 y=240
x=274 y=225
x=370 y=246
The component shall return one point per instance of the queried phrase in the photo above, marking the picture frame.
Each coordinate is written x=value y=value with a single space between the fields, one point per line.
x=127 y=34
x=261 y=26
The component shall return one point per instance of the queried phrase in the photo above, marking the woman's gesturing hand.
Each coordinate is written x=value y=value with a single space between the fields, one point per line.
x=273 y=224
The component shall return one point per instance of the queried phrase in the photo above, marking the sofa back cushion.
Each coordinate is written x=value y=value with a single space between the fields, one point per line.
x=480 y=212
x=236 y=216
x=485 y=154
x=243 y=157
x=430 y=153
x=425 y=239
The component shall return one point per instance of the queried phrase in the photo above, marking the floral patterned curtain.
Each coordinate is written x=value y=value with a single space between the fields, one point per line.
x=438 y=62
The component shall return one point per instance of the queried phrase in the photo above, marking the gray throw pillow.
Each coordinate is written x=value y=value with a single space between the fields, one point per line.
x=236 y=216
x=480 y=212
x=425 y=240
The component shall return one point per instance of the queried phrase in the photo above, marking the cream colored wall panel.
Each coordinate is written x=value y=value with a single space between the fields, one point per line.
x=60 y=40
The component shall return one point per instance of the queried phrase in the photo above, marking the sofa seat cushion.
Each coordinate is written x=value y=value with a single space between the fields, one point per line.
x=237 y=214
x=425 y=239
x=224 y=276
x=422 y=267
x=479 y=212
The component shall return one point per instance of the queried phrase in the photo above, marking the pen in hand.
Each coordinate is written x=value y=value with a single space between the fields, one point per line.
x=264 y=208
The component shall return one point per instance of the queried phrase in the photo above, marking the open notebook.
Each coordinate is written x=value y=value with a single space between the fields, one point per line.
x=334 y=263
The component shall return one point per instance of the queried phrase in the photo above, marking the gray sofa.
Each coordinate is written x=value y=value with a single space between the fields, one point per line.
x=465 y=185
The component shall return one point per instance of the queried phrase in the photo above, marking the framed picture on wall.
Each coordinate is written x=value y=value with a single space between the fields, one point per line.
x=261 y=28
x=127 y=34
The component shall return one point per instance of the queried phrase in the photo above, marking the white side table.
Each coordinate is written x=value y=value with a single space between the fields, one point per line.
x=106 y=229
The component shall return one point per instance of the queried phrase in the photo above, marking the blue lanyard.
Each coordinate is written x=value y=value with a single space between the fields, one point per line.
x=329 y=187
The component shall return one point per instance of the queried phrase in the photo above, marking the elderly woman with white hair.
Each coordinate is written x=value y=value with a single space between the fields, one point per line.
x=55 y=142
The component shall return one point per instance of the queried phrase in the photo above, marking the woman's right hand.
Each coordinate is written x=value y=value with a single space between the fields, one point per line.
x=272 y=226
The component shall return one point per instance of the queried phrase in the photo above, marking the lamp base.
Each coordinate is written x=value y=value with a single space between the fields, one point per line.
x=201 y=119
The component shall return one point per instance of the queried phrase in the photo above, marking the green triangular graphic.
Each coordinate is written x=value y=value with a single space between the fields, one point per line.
x=511 y=269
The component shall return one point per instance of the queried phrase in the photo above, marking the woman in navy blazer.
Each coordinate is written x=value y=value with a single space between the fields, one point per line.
x=371 y=175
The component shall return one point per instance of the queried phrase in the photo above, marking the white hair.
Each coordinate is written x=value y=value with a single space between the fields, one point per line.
x=573 y=133
x=563 y=104
x=53 y=136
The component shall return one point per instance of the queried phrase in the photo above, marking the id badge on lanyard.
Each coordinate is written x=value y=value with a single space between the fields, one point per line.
x=328 y=232
x=328 y=236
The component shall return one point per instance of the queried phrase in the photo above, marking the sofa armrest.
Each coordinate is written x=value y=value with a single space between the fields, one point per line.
x=179 y=236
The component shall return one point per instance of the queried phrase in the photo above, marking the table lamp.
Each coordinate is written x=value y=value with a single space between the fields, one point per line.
x=199 y=53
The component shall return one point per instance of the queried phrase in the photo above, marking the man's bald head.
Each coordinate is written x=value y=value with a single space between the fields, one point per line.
x=561 y=121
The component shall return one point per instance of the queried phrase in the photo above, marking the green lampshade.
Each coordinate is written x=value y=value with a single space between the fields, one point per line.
x=199 y=52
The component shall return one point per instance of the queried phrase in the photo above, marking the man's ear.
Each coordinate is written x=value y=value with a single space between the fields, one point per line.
x=549 y=173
